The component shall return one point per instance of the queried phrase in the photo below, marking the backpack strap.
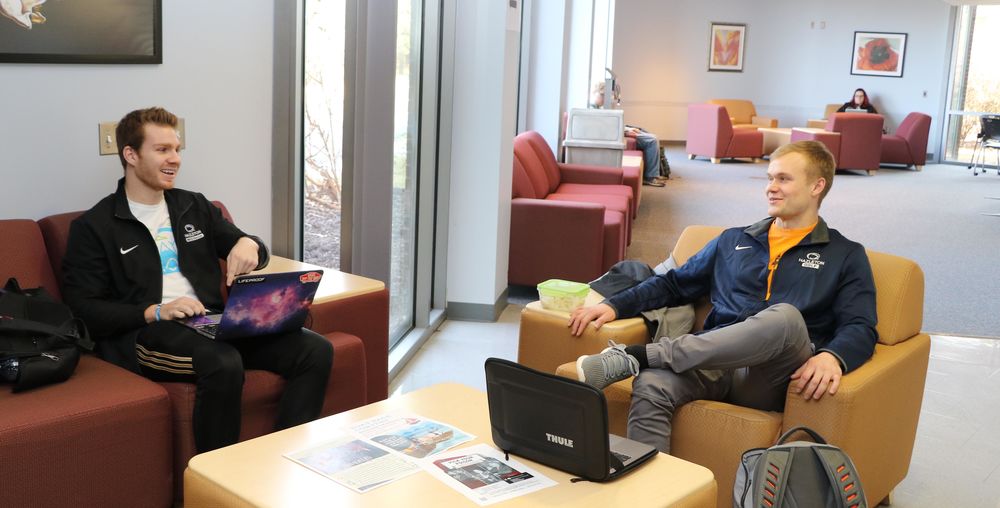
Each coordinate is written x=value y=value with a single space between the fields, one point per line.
x=73 y=331
x=842 y=475
x=812 y=433
x=772 y=477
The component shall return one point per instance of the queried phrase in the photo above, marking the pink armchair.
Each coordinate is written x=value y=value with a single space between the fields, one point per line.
x=711 y=134
x=855 y=139
x=559 y=238
x=909 y=144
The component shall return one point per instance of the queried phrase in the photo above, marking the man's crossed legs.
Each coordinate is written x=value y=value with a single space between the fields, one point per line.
x=748 y=364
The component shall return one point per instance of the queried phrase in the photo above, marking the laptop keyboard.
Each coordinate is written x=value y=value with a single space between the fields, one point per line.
x=621 y=456
x=209 y=328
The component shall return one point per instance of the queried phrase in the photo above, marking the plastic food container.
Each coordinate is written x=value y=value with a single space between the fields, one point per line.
x=564 y=295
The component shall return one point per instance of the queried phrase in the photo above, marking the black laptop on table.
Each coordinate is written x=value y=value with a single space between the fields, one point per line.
x=556 y=421
x=261 y=304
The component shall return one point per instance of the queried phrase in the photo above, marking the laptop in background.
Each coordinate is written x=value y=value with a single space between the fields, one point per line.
x=855 y=110
x=558 y=422
x=261 y=304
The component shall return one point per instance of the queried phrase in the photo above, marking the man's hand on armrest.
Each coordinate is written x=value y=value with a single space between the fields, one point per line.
x=598 y=314
x=820 y=374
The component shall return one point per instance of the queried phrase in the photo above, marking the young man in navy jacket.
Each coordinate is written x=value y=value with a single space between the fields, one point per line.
x=149 y=254
x=793 y=301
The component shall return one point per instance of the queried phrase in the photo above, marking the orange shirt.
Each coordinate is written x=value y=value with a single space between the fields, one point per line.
x=779 y=240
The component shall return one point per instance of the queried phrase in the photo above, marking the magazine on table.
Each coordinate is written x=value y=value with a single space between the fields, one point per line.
x=481 y=474
x=410 y=434
x=354 y=463
x=380 y=450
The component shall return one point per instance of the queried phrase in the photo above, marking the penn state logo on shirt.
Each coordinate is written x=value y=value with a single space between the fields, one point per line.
x=812 y=260
x=192 y=233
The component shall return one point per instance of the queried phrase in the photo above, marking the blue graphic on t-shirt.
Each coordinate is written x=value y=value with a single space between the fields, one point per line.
x=168 y=250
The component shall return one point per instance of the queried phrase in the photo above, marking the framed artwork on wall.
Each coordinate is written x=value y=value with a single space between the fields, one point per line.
x=725 y=48
x=878 y=54
x=94 y=31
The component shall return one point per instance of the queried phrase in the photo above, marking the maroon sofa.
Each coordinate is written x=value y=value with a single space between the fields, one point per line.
x=710 y=133
x=854 y=139
x=567 y=221
x=114 y=438
x=908 y=145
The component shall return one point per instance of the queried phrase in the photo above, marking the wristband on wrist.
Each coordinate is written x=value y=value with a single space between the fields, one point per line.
x=157 y=314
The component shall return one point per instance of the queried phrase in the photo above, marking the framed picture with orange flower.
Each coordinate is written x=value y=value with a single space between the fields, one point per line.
x=725 y=51
x=878 y=54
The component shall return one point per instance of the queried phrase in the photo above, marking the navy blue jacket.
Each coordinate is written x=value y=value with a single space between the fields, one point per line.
x=825 y=276
x=112 y=271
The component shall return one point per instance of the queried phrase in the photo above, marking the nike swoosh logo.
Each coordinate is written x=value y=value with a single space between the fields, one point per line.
x=738 y=247
x=126 y=251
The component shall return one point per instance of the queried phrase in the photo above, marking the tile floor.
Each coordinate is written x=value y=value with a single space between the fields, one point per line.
x=956 y=458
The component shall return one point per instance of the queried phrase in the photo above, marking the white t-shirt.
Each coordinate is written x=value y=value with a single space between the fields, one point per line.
x=156 y=218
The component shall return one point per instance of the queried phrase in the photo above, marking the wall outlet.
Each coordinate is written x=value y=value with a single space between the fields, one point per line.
x=108 y=144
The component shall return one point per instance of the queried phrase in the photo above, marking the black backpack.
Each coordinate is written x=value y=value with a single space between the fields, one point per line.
x=797 y=474
x=40 y=340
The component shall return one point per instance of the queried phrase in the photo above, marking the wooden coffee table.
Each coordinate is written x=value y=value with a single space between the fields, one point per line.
x=254 y=472
x=775 y=137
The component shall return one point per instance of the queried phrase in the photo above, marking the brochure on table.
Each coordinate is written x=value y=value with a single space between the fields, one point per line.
x=385 y=448
x=481 y=474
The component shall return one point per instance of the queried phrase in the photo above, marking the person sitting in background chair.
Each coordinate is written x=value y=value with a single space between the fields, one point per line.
x=645 y=141
x=859 y=101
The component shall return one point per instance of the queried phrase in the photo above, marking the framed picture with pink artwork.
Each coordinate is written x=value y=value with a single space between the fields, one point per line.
x=725 y=49
x=878 y=54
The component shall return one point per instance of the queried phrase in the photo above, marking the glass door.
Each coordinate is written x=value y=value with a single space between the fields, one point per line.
x=975 y=82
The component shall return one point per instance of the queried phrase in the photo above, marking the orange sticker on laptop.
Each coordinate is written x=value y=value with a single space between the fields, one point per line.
x=306 y=278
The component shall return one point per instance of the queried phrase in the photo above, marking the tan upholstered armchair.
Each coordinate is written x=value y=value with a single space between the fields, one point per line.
x=873 y=416
x=820 y=123
x=744 y=115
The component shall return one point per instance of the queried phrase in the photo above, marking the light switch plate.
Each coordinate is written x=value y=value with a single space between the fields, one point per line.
x=108 y=144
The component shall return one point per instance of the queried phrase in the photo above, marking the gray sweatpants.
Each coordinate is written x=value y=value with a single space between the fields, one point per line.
x=748 y=364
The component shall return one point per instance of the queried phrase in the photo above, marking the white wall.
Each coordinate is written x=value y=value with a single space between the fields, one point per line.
x=791 y=69
x=483 y=104
x=216 y=74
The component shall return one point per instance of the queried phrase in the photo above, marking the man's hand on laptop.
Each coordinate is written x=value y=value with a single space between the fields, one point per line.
x=183 y=307
x=598 y=314
x=242 y=259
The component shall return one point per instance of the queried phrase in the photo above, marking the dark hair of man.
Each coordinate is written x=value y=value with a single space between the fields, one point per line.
x=819 y=161
x=131 y=128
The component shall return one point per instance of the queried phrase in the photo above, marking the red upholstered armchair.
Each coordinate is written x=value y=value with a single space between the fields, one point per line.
x=909 y=144
x=855 y=139
x=567 y=221
x=711 y=134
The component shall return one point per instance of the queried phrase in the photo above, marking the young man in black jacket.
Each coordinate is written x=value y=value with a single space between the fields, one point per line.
x=149 y=254
x=793 y=301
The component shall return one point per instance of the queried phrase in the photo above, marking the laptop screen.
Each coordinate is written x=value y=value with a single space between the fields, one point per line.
x=555 y=421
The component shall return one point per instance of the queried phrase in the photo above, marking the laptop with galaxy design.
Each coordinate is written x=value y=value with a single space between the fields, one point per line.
x=261 y=304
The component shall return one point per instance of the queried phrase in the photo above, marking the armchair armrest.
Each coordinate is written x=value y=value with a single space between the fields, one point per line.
x=828 y=138
x=816 y=123
x=545 y=341
x=764 y=121
x=874 y=414
x=580 y=173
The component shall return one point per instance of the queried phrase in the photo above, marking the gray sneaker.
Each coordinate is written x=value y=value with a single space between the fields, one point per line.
x=611 y=365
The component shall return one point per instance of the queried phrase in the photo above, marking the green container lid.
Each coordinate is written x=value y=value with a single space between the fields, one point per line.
x=564 y=288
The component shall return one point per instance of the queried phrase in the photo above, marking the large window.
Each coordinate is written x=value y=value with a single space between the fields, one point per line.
x=975 y=83
x=323 y=133
x=404 y=168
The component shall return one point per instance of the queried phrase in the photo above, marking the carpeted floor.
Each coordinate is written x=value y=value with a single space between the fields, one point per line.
x=934 y=217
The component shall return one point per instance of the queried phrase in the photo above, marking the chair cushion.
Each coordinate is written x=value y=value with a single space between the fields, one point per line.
x=895 y=150
x=105 y=433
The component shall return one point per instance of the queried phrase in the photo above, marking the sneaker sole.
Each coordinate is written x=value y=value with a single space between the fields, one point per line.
x=579 y=369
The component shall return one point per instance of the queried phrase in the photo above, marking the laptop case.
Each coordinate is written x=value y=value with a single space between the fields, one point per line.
x=555 y=421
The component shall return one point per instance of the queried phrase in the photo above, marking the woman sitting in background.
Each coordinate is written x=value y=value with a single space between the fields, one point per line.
x=859 y=101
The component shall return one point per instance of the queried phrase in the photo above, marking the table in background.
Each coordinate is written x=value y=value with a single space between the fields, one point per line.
x=255 y=473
